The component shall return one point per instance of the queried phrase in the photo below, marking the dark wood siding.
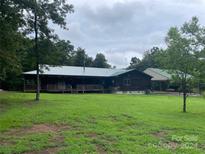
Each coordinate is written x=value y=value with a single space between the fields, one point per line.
x=130 y=81
x=133 y=81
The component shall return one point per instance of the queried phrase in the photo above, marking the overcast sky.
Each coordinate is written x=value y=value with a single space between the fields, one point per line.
x=122 y=29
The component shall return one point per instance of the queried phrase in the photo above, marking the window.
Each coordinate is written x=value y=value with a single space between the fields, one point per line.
x=127 y=82
x=61 y=85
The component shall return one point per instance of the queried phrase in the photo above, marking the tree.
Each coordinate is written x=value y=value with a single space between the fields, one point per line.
x=80 y=58
x=10 y=38
x=181 y=54
x=21 y=18
x=59 y=52
x=100 y=61
x=135 y=62
x=151 y=58
x=37 y=16
x=64 y=52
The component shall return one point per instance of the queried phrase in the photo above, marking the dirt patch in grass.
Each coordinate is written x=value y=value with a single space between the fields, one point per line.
x=37 y=128
x=51 y=150
x=160 y=134
x=114 y=118
x=172 y=145
x=4 y=105
x=127 y=116
x=202 y=146
x=57 y=139
x=164 y=142
x=58 y=143
x=100 y=149
x=55 y=129
x=92 y=135
x=4 y=142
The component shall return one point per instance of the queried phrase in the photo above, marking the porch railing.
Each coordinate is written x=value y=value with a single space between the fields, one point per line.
x=67 y=88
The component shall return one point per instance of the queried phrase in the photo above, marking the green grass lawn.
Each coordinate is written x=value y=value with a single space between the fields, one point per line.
x=100 y=123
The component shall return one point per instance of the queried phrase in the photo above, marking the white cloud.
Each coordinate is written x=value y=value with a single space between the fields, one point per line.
x=122 y=29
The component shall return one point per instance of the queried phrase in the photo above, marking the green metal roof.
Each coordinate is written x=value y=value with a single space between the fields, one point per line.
x=158 y=74
x=161 y=74
x=80 y=71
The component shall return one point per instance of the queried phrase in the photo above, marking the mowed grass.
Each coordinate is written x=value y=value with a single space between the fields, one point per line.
x=100 y=123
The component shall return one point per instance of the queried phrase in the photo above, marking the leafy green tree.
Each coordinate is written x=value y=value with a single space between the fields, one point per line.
x=10 y=38
x=195 y=33
x=134 y=63
x=27 y=55
x=24 y=18
x=184 y=56
x=65 y=51
x=88 y=61
x=37 y=16
x=55 y=53
x=100 y=61
x=80 y=58
x=59 y=52
x=181 y=54
x=152 y=58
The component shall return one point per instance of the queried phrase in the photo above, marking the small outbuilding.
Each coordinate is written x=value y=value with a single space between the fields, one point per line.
x=87 y=79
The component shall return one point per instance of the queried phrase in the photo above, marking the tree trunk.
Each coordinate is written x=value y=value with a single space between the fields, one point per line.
x=37 y=54
x=37 y=83
x=184 y=101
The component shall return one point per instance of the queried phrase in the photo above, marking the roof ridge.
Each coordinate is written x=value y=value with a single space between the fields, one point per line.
x=85 y=67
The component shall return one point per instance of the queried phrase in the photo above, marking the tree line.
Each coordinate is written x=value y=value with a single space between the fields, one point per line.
x=27 y=40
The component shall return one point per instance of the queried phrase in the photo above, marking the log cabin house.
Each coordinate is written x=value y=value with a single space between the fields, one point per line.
x=74 y=79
